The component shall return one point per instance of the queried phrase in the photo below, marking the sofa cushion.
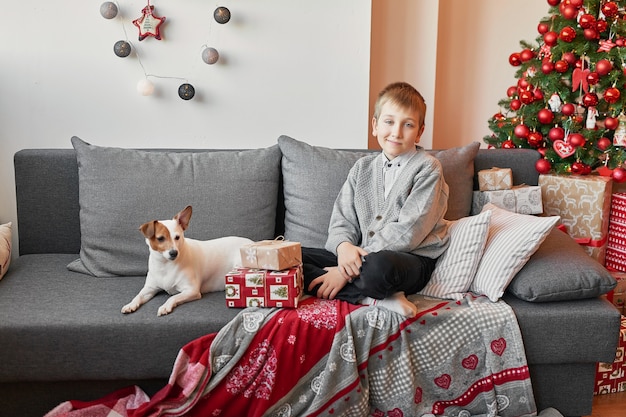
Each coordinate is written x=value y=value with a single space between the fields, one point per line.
x=560 y=270
x=5 y=248
x=232 y=193
x=512 y=239
x=455 y=269
x=313 y=176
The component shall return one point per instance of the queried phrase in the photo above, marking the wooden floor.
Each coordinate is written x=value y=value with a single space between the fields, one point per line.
x=609 y=405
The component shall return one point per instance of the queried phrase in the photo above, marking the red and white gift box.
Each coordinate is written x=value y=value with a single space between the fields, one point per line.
x=611 y=377
x=253 y=287
x=616 y=246
x=275 y=254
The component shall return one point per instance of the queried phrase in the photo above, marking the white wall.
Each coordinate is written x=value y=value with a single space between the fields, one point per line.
x=295 y=67
x=473 y=70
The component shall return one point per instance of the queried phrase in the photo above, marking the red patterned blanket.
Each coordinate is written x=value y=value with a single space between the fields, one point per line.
x=330 y=358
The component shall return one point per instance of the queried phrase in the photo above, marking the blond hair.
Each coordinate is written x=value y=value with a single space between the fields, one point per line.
x=403 y=95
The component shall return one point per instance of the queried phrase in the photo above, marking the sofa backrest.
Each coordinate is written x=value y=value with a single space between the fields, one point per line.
x=46 y=183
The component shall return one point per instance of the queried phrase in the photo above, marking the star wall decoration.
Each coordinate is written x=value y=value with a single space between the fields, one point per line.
x=149 y=24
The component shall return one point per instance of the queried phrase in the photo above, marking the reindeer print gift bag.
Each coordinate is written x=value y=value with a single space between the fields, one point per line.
x=584 y=203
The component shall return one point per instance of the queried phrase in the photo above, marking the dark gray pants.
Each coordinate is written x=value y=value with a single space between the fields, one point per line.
x=382 y=274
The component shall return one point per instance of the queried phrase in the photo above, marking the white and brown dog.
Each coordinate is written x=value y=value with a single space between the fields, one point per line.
x=184 y=268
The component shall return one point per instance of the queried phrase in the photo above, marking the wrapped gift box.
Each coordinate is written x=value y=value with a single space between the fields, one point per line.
x=611 y=377
x=616 y=244
x=618 y=294
x=253 y=287
x=495 y=179
x=522 y=199
x=271 y=254
x=583 y=202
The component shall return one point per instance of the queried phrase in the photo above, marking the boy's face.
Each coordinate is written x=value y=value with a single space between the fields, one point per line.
x=397 y=130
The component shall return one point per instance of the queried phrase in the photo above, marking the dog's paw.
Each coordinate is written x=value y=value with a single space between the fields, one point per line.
x=164 y=310
x=129 y=308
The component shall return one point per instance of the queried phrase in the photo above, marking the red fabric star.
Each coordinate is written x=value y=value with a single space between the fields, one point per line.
x=149 y=24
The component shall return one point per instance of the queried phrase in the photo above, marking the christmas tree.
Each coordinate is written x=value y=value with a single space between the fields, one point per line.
x=568 y=102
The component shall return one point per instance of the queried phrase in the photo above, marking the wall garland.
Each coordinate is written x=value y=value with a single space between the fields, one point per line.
x=149 y=26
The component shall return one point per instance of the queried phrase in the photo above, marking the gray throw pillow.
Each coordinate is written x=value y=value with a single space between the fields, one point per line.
x=560 y=270
x=232 y=193
x=313 y=176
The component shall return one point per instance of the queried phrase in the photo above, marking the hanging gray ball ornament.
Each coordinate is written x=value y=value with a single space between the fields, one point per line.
x=108 y=10
x=121 y=49
x=221 y=15
x=210 y=55
x=186 y=91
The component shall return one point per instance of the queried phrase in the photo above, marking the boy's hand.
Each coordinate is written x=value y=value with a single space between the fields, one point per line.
x=330 y=283
x=349 y=258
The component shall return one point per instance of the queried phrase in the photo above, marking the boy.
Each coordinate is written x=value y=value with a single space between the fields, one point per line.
x=387 y=227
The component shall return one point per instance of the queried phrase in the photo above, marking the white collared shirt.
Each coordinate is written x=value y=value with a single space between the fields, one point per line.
x=392 y=169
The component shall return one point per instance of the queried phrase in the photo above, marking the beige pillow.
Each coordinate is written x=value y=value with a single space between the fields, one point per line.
x=5 y=248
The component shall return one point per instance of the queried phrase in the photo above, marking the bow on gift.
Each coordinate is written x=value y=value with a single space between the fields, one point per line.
x=579 y=79
x=585 y=241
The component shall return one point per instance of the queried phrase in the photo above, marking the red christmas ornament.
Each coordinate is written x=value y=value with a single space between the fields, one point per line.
x=553 y=2
x=538 y=94
x=569 y=12
x=619 y=175
x=556 y=133
x=576 y=140
x=521 y=131
x=580 y=168
x=591 y=34
x=508 y=144
x=543 y=28
x=593 y=78
x=515 y=59
x=609 y=9
x=603 y=66
x=535 y=139
x=601 y=25
x=550 y=38
x=576 y=3
x=570 y=58
x=568 y=34
x=148 y=23
x=590 y=99
x=515 y=105
x=543 y=166
x=603 y=143
x=561 y=66
x=511 y=91
x=523 y=84
x=568 y=109
x=545 y=116
x=547 y=67
x=611 y=123
x=587 y=21
x=611 y=95
x=526 y=55
x=526 y=96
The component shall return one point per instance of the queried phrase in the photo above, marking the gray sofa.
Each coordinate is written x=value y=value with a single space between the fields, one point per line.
x=62 y=335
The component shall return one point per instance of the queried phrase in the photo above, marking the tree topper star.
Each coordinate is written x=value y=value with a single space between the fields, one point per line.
x=148 y=23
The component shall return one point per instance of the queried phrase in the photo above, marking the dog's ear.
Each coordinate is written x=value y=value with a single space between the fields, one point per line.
x=147 y=229
x=183 y=217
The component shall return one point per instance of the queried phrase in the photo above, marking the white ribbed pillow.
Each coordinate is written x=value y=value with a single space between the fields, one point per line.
x=457 y=266
x=512 y=240
x=5 y=248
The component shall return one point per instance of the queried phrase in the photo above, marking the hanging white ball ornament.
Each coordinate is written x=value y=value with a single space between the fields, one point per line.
x=108 y=10
x=210 y=55
x=145 y=87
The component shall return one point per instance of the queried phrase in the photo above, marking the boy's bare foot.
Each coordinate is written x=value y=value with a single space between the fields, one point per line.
x=397 y=302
